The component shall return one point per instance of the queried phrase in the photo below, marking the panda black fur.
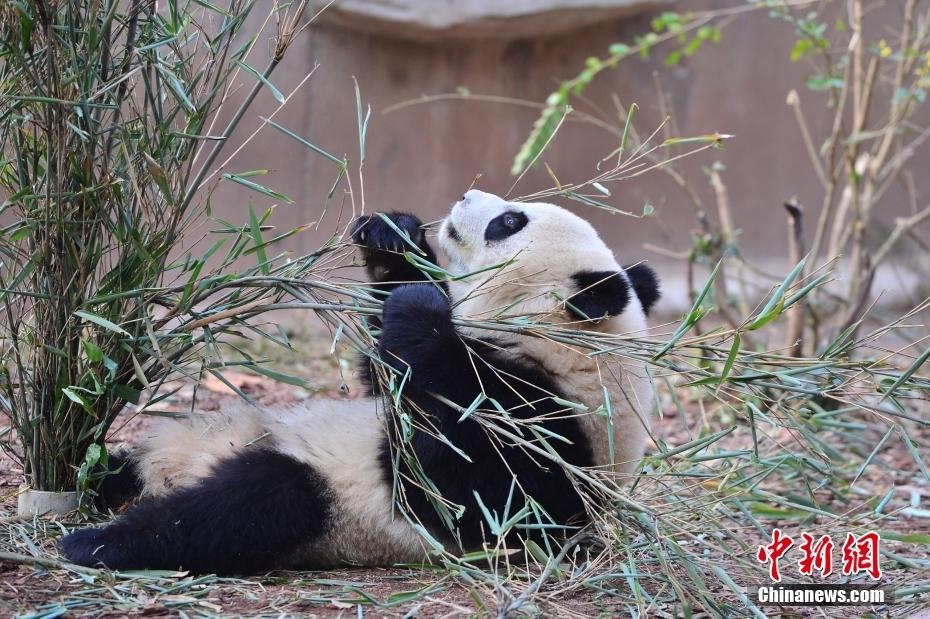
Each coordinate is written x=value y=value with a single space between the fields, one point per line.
x=311 y=486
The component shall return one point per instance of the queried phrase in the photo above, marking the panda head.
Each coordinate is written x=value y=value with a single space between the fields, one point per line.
x=539 y=259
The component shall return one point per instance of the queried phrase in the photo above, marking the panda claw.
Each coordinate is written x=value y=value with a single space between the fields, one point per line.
x=374 y=234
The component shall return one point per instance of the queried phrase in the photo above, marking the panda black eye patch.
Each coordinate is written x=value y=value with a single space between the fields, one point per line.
x=505 y=225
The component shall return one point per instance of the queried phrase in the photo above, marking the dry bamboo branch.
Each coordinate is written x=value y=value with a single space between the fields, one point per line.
x=795 y=341
x=48 y=562
x=794 y=101
x=902 y=225
x=729 y=237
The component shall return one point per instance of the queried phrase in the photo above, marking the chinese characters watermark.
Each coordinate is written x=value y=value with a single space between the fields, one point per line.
x=860 y=554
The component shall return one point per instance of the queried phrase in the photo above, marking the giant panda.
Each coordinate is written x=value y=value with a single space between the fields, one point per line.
x=316 y=484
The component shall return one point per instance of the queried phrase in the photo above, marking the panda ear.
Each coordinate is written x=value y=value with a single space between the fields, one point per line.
x=645 y=282
x=600 y=294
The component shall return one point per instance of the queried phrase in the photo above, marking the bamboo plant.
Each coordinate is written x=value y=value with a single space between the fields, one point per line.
x=109 y=139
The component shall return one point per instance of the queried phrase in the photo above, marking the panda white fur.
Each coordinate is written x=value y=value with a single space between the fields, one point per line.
x=312 y=485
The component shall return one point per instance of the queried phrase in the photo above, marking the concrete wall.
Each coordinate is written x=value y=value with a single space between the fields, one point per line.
x=422 y=157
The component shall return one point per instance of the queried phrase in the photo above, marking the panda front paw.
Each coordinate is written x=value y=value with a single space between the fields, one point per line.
x=93 y=547
x=375 y=235
x=416 y=326
x=383 y=247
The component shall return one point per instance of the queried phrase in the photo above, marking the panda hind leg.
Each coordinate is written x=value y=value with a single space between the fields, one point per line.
x=253 y=512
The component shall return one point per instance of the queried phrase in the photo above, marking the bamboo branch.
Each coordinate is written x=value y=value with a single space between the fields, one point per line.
x=795 y=340
x=794 y=101
x=902 y=226
x=49 y=563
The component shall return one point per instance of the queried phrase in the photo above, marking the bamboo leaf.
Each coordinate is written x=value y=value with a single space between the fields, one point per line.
x=258 y=242
x=101 y=321
x=906 y=375
x=261 y=78
x=311 y=146
x=363 y=119
x=692 y=317
x=259 y=188
x=776 y=305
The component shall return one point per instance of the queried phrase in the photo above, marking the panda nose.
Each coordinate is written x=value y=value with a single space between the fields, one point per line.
x=475 y=195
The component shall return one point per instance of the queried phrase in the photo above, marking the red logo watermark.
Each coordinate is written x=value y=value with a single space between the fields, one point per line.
x=859 y=554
